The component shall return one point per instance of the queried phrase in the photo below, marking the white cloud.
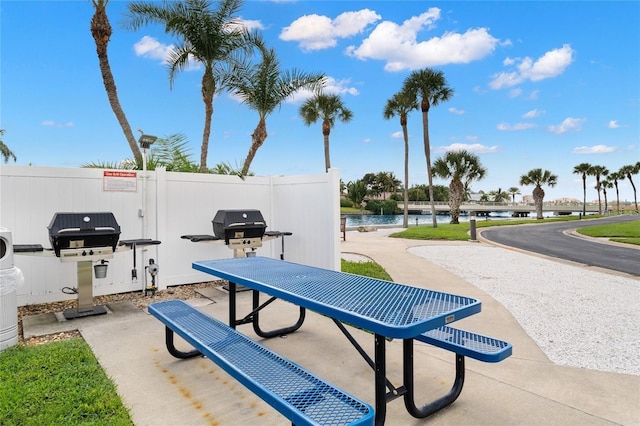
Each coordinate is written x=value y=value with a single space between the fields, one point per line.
x=149 y=47
x=505 y=127
x=456 y=111
x=316 y=32
x=399 y=46
x=514 y=93
x=251 y=24
x=331 y=86
x=613 y=124
x=475 y=148
x=51 y=123
x=596 y=149
x=397 y=135
x=551 y=64
x=533 y=113
x=568 y=124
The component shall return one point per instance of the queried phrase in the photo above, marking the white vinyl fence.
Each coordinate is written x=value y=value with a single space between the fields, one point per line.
x=162 y=206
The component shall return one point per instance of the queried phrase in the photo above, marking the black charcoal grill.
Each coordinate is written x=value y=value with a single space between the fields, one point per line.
x=239 y=229
x=84 y=238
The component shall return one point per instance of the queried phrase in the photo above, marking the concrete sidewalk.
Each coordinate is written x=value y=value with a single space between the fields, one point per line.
x=524 y=389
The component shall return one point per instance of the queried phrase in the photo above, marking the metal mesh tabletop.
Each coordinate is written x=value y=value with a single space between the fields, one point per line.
x=383 y=307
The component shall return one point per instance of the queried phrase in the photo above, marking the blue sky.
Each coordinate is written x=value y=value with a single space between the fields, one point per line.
x=537 y=85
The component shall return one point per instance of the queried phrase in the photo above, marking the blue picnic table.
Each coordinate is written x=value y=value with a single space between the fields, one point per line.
x=384 y=308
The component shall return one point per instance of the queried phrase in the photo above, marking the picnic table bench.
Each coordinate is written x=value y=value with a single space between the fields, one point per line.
x=300 y=396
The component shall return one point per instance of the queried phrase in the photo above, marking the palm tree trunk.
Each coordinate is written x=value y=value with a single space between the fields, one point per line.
x=326 y=130
x=456 y=190
x=538 y=197
x=208 y=90
x=257 y=139
x=584 y=197
x=405 y=195
x=617 y=198
x=427 y=153
x=635 y=199
x=101 y=31
x=599 y=202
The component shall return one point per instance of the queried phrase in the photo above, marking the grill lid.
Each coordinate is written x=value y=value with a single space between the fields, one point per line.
x=83 y=230
x=238 y=224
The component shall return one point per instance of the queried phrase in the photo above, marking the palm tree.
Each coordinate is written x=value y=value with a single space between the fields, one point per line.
x=598 y=172
x=606 y=184
x=466 y=196
x=225 y=168
x=401 y=104
x=327 y=108
x=356 y=191
x=171 y=152
x=538 y=177
x=387 y=183
x=514 y=190
x=460 y=166
x=207 y=35
x=627 y=171
x=615 y=177
x=101 y=31
x=431 y=87
x=583 y=169
x=499 y=196
x=263 y=87
x=4 y=150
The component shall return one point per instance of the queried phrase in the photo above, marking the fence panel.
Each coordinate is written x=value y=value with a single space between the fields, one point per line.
x=175 y=204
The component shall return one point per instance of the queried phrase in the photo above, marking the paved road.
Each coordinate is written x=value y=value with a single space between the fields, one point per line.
x=551 y=240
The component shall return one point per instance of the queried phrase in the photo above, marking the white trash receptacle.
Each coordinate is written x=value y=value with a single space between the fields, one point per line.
x=10 y=278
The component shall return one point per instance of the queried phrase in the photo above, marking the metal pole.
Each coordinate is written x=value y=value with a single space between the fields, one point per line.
x=472 y=225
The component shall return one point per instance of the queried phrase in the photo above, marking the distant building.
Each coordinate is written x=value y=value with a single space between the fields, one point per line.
x=527 y=199
x=567 y=200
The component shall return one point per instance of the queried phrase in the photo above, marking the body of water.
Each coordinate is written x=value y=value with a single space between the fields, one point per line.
x=355 y=220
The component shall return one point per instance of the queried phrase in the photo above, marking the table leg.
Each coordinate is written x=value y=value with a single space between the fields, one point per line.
x=438 y=404
x=232 y=305
x=380 y=379
x=272 y=333
x=176 y=352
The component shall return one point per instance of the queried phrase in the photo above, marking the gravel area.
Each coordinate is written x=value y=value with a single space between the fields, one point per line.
x=355 y=257
x=184 y=292
x=578 y=316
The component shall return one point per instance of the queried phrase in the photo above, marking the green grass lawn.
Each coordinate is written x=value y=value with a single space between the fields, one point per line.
x=60 y=383
x=368 y=269
x=460 y=232
x=628 y=232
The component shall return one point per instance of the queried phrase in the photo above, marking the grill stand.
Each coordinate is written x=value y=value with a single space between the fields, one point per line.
x=85 y=306
x=240 y=247
x=237 y=253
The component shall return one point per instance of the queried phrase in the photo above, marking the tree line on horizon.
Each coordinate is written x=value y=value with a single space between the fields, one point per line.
x=463 y=168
